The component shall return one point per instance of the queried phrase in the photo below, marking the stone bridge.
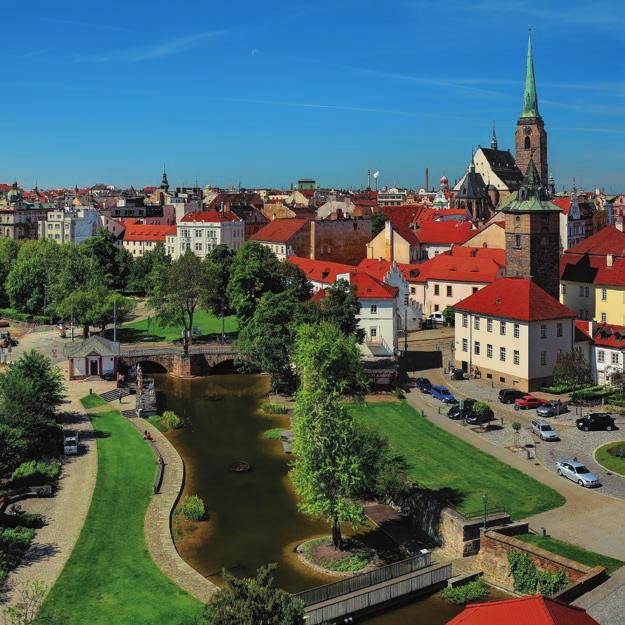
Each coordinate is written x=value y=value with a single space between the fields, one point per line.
x=200 y=360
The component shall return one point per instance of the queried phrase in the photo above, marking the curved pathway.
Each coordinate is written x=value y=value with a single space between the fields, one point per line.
x=157 y=527
x=66 y=512
x=589 y=518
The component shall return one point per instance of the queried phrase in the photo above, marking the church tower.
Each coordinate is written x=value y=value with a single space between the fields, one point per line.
x=533 y=234
x=531 y=137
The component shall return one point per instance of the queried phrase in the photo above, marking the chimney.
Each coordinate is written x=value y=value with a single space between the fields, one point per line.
x=592 y=328
x=609 y=260
x=388 y=240
x=427 y=180
x=312 y=239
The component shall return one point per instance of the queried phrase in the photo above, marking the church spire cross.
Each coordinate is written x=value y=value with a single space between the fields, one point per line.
x=530 y=97
x=493 y=141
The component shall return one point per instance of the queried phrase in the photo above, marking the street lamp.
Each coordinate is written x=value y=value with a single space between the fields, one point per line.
x=485 y=500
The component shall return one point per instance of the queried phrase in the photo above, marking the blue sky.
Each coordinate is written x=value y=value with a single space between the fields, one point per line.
x=266 y=93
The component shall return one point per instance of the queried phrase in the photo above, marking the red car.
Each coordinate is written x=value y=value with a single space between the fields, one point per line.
x=528 y=401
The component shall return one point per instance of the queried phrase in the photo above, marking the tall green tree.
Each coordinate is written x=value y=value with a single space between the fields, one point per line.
x=146 y=269
x=9 y=249
x=217 y=266
x=342 y=308
x=266 y=341
x=253 y=601
x=115 y=262
x=377 y=223
x=572 y=368
x=182 y=288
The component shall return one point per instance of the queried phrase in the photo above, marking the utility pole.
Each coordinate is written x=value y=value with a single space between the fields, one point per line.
x=71 y=324
x=406 y=330
x=115 y=320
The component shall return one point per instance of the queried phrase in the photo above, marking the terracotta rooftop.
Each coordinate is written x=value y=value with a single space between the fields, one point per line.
x=147 y=232
x=367 y=287
x=209 y=217
x=514 y=298
x=609 y=240
x=320 y=270
x=280 y=230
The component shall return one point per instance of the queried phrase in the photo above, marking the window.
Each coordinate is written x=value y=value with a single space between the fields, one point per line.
x=515 y=357
x=502 y=328
x=527 y=143
x=615 y=358
x=489 y=351
x=465 y=320
x=198 y=247
x=586 y=291
x=516 y=330
x=604 y=295
x=517 y=240
x=435 y=307
x=476 y=323
x=465 y=345
x=476 y=348
x=449 y=291
x=436 y=289
x=489 y=325
x=406 y=299
x=373 y=332
x=474 y=289
x=559 y=329
x=600 y=356
x=374 y=309
x=413 y=290
x=564 y=289
x=543 y=358
x=604 y=317
x=581 y=291
x=198 y=234
x=543 y=331
x=502 y=354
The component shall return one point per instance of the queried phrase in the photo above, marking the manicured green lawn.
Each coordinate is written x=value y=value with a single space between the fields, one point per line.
x=110 y=576
x=616 y=464
x=92 y=401
x=151 y=330
x=439 y=460
x=566 y=550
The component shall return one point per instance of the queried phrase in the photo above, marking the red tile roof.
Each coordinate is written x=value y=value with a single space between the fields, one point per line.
x=536 y=610
x=515 y=298
x=210 y=217
x=609 y=335
x=376 y=267
x=581 y=268
x=320 y=270
x=280 y=230
x=609 y=240
x=367 y=287
x=564 y=203
x=612 y=276
x=582 y=331
x=445 y=232
x=147 y=232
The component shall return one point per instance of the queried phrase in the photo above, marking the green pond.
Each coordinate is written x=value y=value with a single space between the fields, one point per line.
x=253 y=517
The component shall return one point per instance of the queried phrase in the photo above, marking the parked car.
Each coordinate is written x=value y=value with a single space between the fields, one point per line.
x=479 y=419
x=443 y=394
x=552 y=408
x=457 y=412
x=458 y=374
x=528 y=401
x=544 y=431
x=436 y=317
x=595 y=421
x=70 y=443
x=509 y=395
x=424 y=385
x=576 y=472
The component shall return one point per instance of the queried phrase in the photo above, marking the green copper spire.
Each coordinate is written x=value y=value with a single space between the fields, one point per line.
x=530 y=97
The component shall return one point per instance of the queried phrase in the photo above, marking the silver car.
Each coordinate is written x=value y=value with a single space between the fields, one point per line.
x=576 y=472
x=543 y=430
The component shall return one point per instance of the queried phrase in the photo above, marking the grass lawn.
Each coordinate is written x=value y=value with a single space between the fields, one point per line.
x=439 y=460
x=150 y=329
x=613 y=463
x=110 y=576
x=566 y=550
x=92 y=401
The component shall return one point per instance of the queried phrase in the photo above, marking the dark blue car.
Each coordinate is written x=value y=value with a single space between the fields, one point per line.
x=441 y=393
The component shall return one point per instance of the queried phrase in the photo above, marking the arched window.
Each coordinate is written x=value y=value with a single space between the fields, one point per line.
x=527 y=143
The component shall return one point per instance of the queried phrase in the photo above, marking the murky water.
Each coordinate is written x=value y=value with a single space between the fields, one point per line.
x=253 y=517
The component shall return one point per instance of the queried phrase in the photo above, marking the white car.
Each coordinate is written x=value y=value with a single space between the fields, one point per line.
x=543 y=430
x=436 y=317
x=577 y=472
x=70 y=443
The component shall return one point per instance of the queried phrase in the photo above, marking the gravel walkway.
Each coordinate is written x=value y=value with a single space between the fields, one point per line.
x=65 y=512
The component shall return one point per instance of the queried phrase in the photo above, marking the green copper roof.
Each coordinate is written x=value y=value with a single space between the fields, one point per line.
x=531 y=197
x=530 y=97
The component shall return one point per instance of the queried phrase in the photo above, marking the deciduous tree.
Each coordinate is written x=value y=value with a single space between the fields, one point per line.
x=572 y=368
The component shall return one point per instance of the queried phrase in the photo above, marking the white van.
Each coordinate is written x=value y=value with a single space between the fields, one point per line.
x=436 y=317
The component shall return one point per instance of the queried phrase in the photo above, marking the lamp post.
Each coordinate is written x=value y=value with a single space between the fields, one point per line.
x=485 y=500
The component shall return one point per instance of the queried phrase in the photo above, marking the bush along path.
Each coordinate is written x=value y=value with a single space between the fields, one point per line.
x=110 y=570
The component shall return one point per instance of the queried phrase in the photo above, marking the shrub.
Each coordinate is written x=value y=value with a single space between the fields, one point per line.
x=273 y=408
x=529 y=580
x=193 y=508
x=592 y=392
x=171 y=420
x=477 y=590
x=16 y=315
x=35 y=472
x=551 y=583
x=274 y=434
x=14 y=541
x=559 y=389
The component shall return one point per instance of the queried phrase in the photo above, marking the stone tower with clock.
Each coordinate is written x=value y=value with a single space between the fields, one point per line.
x=531 y=136
x=533 y=234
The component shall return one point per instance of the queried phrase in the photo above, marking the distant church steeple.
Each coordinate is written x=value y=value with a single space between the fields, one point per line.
x=493 y=141
x=164 y=181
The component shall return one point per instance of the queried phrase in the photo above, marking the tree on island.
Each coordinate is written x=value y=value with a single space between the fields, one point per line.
x=252 y=601
x=572 y=369
x=180 y=291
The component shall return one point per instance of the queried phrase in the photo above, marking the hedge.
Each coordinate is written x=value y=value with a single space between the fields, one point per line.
x=559 y=389
x=593 y=392
x=16 y=315
x=35 y=472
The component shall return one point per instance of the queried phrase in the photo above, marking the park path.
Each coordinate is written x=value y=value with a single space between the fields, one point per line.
x=588 y=519
x=66 y=512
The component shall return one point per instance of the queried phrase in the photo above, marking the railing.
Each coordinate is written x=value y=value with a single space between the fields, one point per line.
x=214 y=348
x=359 y=582
x=475 y=514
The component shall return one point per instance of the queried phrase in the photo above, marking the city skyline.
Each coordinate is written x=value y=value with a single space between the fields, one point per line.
x=264 y=96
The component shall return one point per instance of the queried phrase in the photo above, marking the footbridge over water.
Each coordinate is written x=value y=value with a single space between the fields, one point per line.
x=199 y=360
x=368 y=591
